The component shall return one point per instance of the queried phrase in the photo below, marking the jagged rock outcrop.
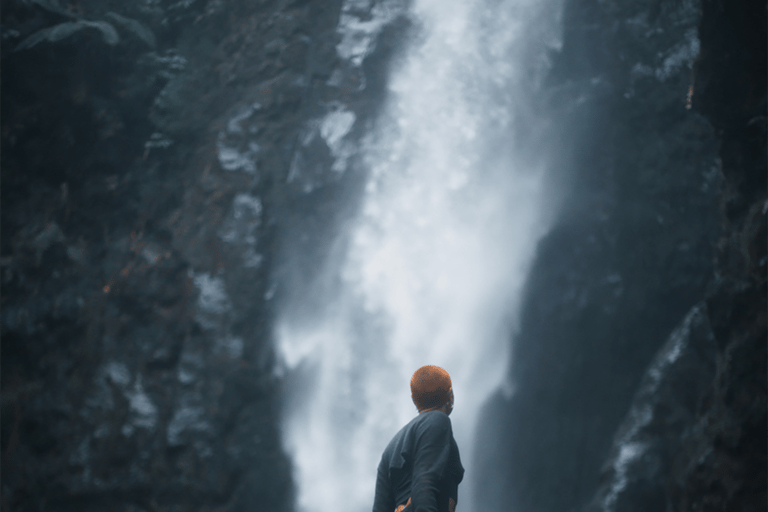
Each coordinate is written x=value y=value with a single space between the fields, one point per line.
x=629 y=257
x=138 y=239
x=640 y=244
x=660 y=425
x=703 y=446
x=158 y=157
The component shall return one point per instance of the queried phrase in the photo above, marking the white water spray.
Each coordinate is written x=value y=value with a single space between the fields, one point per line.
x=435 y=262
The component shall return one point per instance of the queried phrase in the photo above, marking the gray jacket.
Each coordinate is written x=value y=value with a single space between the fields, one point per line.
x=422 y=463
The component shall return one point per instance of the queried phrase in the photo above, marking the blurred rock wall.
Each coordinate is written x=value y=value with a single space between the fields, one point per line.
x=639 y=376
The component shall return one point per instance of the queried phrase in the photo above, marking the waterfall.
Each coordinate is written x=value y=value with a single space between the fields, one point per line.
x=431 y=270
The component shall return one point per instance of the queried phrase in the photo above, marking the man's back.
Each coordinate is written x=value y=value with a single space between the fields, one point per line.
x=421 y=463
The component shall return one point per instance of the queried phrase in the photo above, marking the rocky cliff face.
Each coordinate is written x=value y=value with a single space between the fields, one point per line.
x=640 y=365
x=138 y=240
x=695 y=435
x=157 y=158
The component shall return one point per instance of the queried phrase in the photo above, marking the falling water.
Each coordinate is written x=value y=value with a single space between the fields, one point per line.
x=431 y=270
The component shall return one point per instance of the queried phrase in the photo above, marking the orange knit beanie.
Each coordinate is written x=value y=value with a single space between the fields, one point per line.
x=430 y=387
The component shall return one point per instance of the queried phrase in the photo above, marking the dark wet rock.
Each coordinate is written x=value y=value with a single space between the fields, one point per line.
x=630 y=256
x=718 y=459
x=642 y=241
x=147 y=190
x=654 y=439
x=137 y=359
x=668 y=210
x=136 y=28
x=66 y=29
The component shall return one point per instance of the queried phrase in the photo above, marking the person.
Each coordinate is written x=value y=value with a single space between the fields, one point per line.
x=420 y=469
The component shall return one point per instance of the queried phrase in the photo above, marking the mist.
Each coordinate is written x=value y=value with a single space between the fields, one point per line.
x=430 y=268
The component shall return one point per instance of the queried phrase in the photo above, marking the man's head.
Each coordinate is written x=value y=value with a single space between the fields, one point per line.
x=431 y=389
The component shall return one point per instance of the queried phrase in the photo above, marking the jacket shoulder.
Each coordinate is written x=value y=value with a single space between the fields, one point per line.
x=434 y=420
x=398 y=451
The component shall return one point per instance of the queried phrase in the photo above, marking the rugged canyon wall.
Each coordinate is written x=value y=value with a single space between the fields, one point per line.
x=139 y=231
x=157 y=159
x=695 y=435
x=639 y=369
